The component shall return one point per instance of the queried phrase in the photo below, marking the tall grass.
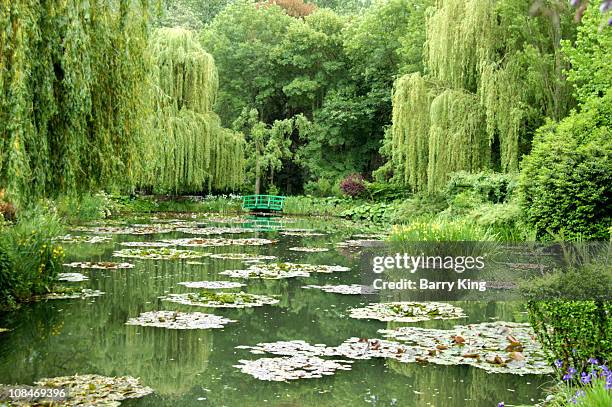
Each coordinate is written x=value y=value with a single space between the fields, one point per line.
x=29 y=260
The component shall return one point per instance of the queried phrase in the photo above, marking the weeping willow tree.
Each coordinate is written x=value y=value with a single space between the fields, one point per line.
x=188 y=149
x=72 y=111
x=410 y=132
x=494 y=74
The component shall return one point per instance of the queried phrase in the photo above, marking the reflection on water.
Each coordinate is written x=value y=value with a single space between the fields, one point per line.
x=196 y=367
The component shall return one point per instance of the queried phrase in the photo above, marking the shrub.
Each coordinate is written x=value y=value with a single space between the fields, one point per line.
x=386 y=191
x=353 y=185
x=504 y=220
x=489 y=186
x=565 y=186
x=376 y=212
x=569 y=311
x=418 y=206
x=320 y=188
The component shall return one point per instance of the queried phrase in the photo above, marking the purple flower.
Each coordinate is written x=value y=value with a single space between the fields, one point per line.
x=593 y=361
x=608 y=385
x=585 y=378
x=501 y=404
x=574 y=3
x=559 y=363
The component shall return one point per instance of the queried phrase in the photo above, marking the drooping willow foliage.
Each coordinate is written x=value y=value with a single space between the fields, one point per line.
x=72 y=111
x=410 y=147
x=189 y=150
x=489 y=85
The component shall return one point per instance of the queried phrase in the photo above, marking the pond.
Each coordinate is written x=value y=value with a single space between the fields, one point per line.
x=198 y=367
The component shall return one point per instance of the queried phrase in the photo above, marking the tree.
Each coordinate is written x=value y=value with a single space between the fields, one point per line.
x=188 y=149
x=483 y=74
x=267 y=145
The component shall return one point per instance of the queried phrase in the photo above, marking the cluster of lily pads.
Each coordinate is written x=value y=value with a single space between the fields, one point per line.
x=309 y=249
x=218 y=242
x=274 y=271
x=102 y=265
x=159 y=254
x=68 y=294
x=72 y=277
x=148 y=229
x=352 y=289
x=300 y=232
x=207 y=231
x=241 y=256
x=221 y=300
x=92 y=390
x=497 y=347
x=407 y=311
x=211 y=285
x=291 y=368
x=82 y=239
x=179 y=320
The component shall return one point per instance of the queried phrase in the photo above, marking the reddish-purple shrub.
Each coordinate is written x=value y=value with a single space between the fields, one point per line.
x=353 y=185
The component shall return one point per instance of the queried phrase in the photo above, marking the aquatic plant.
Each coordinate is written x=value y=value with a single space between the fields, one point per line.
x=353 y=289
x=102 y=265
x=309 y=249
x=211 y=285
x=283 y=369
x=72 y=277
x=179 y=320
x=221 y=300
x=159 y=254
x=407 y=311
x=282 y=270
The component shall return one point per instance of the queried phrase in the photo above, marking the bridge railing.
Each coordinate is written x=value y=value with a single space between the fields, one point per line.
x=265 y=202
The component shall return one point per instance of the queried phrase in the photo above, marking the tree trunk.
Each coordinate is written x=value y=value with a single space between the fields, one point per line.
x=257 y=177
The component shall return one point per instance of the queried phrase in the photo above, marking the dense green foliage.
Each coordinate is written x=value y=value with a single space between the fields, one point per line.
x=187 y=148
x=494 y=74
x=29 y=260
x=566 y=182
x=72 y=110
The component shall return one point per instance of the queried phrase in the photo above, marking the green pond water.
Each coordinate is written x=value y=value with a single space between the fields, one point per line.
x=195 y=367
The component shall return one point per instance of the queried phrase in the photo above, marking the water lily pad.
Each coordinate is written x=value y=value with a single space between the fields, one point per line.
x=282 y=369
x=219 y=242
x=81 y=239
x=300 y=233
x=211 y=285
x=353 y=289
x=241 y=256
x=371 y=236
x=407 y=311
x=358 y=243
x=221 y=300
x=160 y=254
x=213 y=231
x=497 y=347
x=103 y=265
x=95 y=390
x=71 y=294
x=179 y=320
x=276 y=271
x=309 y=249
x=72 y=277
x=146 y=244
x=129 y=230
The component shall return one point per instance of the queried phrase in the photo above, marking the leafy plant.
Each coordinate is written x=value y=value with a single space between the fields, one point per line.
x=353 y=185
